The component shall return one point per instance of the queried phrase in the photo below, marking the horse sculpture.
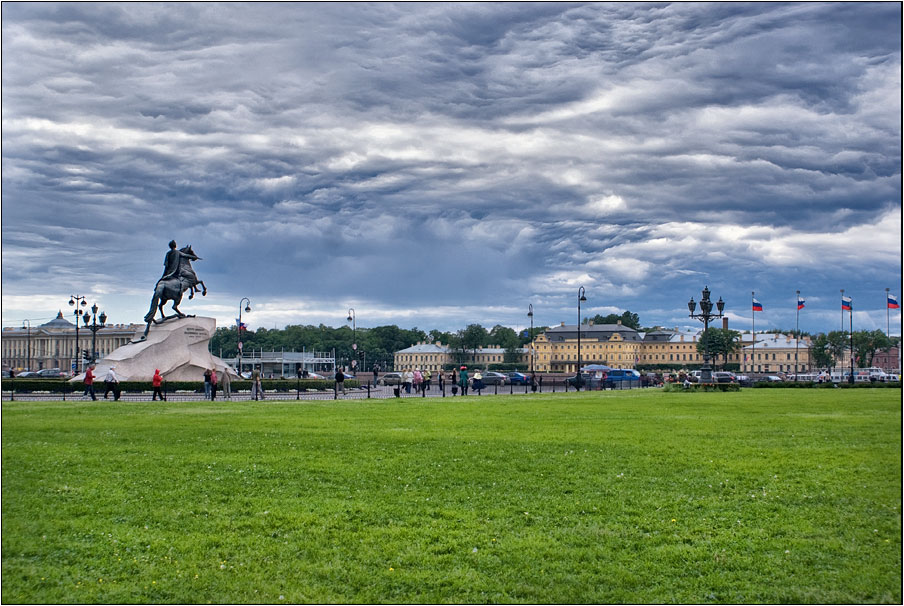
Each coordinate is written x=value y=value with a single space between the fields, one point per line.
x=171 y=289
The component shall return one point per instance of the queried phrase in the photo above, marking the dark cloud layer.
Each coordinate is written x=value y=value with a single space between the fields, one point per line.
x=436 y=164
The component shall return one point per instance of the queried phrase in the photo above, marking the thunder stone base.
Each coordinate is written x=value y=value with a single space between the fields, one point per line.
x=178 y=347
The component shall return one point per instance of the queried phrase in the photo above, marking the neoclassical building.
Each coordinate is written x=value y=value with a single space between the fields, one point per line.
x=53 y=344
x=436 y=356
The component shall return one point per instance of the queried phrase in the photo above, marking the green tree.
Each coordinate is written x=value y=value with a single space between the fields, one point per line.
x=820 y=352
x=719 y=342
x=627 y=318
x=866 y=343
x=838 y=341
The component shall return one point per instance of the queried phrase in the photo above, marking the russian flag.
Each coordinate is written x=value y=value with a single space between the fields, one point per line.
x=240 y=324
x=757 y=306
x=800 y=303
x=846 y=304
x=893 y=302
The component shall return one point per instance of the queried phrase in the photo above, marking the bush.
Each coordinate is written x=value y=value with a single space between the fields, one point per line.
x=65 y=387
x=697 y=387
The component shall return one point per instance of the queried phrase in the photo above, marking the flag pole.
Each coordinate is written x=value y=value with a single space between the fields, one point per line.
x=851 y=380
x=887 y=324
x=753 y=331
x=797 y=340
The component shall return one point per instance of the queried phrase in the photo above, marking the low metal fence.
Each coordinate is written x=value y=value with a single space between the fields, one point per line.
x=368 y=391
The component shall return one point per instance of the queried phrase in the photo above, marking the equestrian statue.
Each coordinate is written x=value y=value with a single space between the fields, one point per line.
x=178 y=277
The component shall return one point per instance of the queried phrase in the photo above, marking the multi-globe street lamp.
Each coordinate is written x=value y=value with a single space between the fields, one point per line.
x=351 y=318
x=530 y=336
x=579 y=379
x=241 y=327
x=93 y=326
x=706 y=314
x=78 y=302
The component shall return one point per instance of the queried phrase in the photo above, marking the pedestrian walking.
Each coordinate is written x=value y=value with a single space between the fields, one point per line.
x=463 y=380
x=340 y=381
x=156 y=382
x=226 y=382
x=89 y=382
x=407 y=377
x=255 y=384
x=207 y=384
x=478 y=381
x=213 y=383
x=111 y=383
x=418 y=380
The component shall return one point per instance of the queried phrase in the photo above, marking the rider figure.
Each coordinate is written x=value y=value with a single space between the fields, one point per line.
x=171 y=264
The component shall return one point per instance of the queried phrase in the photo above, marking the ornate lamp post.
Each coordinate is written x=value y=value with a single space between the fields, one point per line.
x=27 y=327
x=351 y=318
x=706 y=314
x=94 y=327
x=579 y=379
x=530 y=336
x=78 y=302
x=241 y=327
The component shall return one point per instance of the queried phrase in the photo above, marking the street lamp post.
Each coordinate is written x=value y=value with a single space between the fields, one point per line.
x=78 y=302
x=27 y=328
x=94 y=327
x=351 y=318
x=241 y=327
x=530 y=336
x=706 y=314
x=579 y=378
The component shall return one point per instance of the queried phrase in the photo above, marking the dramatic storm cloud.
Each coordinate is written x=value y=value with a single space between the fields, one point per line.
x=435 y=165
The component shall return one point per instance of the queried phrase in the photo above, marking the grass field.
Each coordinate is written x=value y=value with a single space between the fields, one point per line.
x=634 y=496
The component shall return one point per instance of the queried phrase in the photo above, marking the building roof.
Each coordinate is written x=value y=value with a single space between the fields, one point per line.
x=773 y=341
x=600 y=332
x=58 y=322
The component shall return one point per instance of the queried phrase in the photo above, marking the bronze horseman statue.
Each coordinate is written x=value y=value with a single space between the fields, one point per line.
x=178 y=276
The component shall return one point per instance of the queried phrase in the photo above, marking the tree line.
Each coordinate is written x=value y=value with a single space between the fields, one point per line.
x=374 y=345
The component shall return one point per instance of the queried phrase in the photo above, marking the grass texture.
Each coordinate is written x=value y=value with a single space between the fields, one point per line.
x=774 y=496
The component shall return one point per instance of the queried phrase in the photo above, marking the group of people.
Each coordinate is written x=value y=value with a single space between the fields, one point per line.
x=111 y=383
x=419 y=380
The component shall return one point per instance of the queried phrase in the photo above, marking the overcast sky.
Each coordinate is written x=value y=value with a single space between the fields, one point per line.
x=435 y=165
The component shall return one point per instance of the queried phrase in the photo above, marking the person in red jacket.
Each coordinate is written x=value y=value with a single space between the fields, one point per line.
x=156 y=382
x=89 y=383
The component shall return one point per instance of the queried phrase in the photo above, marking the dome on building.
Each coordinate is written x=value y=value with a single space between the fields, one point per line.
x=58 y=322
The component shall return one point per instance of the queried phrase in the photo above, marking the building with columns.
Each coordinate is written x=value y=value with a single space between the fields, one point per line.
x=53 y=344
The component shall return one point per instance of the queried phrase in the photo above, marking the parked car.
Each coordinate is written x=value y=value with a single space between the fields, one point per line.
x=772 y=379
x=50 y=373
x=518 y=378
x=494 y=378
x=391 y=378
x=724 y=377
x=744 y=381
x=589 y=381
x=27 y=374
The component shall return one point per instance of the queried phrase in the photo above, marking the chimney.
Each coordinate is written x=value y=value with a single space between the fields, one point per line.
x=563 y=324
x=682 y=338
x=439 y=343
x=589 y=322
x=618 y=322
x=724 y=323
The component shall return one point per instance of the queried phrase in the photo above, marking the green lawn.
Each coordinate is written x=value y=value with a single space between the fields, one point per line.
x=635 y=496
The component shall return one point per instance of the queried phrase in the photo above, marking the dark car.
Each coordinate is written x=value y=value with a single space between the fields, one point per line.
x=724 y=377
x=518 y=378
x=494 y=378
x=28 y=374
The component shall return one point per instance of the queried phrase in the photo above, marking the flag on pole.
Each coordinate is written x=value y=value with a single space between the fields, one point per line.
x=893 y=302
x=757 y=306
x=846 y=304
x=800 y=303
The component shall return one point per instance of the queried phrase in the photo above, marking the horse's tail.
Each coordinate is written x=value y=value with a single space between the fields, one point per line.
x=155 y=302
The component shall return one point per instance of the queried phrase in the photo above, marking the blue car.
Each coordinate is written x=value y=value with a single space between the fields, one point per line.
x=518 y=378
